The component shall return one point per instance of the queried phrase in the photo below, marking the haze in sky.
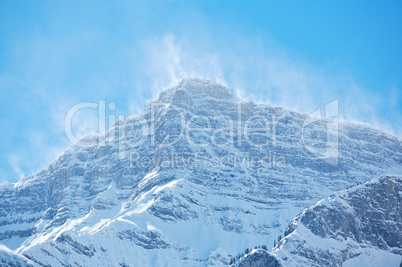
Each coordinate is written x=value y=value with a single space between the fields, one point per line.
x=300 y=55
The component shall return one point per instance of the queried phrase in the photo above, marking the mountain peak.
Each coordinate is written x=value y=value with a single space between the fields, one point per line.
x=192 y=88
x=209 y=165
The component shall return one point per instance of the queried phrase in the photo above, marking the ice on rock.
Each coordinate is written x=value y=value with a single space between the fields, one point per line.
x=197 y=89
x=93 y=206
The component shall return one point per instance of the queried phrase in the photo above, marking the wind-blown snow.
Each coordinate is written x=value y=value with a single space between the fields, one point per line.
x=93 y=207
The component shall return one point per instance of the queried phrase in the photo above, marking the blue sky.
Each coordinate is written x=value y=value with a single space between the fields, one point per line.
x=298 y=54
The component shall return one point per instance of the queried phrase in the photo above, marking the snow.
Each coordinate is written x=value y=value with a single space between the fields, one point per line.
x=164 y=215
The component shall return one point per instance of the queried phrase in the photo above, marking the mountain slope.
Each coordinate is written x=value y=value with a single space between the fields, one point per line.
x=360 y=226
x=10 y=258
x=151 y=192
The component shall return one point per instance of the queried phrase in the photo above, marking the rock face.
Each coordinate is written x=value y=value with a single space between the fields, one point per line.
x=10 y=258
x=191 y=181
x=360 y=226
x=258 y=258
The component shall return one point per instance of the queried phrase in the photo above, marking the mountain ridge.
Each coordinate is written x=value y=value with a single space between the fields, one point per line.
x=358 y=226
x=180 y=203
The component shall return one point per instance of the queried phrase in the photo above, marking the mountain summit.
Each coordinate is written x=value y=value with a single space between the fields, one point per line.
x=191 y=181
x=196 y=88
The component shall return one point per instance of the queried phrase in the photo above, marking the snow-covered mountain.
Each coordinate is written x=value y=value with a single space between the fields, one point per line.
x=194 y=179
x=359 y=226
x=10 y=258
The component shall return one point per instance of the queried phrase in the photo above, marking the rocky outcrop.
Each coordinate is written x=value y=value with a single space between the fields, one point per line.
x=192 y=180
